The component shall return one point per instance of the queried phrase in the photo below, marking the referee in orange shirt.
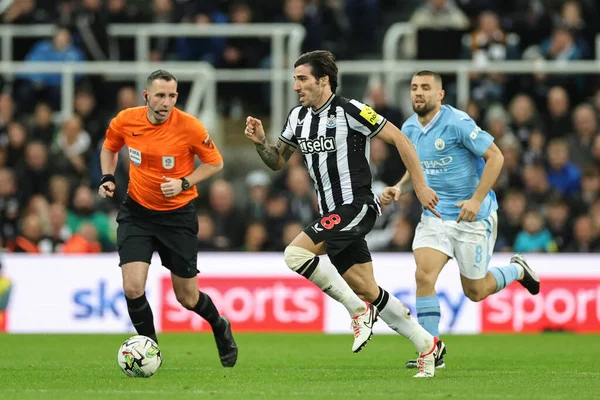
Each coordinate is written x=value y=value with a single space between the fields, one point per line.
x=158 y=212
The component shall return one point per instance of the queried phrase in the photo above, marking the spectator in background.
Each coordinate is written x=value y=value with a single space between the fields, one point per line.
x=403 y=233
x=557 y=216
x=563 y=174
x=585 y=239
x=561 y=48
x=596 y=150
x=585 y=121
x=126 y=98
x=337 y=25
x=32 y=87
x=206 y=230
x=595 y=215
x=32 y=233
x=162 y=47
x=532 y=22
x=17 y=140
x=255 y=238
x=390 y=169
x=83 y=211
x=59 y=190
x=209 y=49
x=535 y=237
x=58 y=231
x=229 y=220
x=537 y=189
x=290 y=230
x=572 y=19
x=257 y=184
x=25 y=12
x=240 y=52
x=383 y=167
x=7 y=113
x=34 y=172
x=90 y=24
x=510 y=175
x=43 y=128
x=278 y=215
x=435 y=14
x=523 y=117
x=120 y=12
x=536 y=146
x=496 y=120
x=364 y=17
x=294 y=11
x=302 y=195
x=85 y=241
x=590 y=190
x=94 y=119
x=70 y=150
x=10 y=206
x=510 y=217
x=558 y=117
x=489 y=43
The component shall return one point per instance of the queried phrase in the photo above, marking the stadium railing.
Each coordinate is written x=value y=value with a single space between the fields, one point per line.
x=283 y=56
x=286 y=44
x=391 y=52
x=201 y=74
x=399 y=69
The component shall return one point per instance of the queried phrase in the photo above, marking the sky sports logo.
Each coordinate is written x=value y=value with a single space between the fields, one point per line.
x=567 y=304
x=252 y=304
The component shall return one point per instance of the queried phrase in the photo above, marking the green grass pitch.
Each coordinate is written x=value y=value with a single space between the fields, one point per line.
x=548 y=366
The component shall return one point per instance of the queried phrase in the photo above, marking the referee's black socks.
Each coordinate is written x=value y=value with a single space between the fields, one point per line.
x=141 y=316
x=207 y=310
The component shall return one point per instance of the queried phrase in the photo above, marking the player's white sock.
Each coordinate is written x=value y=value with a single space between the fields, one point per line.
x=322 y=273
x=397 y=316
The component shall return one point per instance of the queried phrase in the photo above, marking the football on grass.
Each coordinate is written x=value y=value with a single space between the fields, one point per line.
x=139 y=357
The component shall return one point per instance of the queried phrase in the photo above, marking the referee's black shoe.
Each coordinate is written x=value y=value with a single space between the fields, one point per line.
x=228 y=350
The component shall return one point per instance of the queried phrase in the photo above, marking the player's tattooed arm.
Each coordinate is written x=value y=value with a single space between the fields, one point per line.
x=274 y=156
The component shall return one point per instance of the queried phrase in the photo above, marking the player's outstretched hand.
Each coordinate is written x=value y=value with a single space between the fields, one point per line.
x=428 y=199
x=106 y=190
x=254 y=130
x=469 y=210
x=390 y=193
x=171 y=187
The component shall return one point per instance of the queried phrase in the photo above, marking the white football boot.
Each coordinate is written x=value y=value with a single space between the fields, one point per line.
x=362 y=325
x=426 y=361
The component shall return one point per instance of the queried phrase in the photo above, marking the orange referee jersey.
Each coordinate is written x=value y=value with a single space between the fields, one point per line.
x=161 y=150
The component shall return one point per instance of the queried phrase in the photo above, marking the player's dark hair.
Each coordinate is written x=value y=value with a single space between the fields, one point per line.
x=160 y=74
x=426 y=72
x=323 y=64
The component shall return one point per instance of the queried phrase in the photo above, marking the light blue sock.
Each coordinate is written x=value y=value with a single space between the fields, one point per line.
x=504 y=275
x=428 y=314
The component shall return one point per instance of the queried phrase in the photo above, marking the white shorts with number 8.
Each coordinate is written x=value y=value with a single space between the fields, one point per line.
x=470 y=243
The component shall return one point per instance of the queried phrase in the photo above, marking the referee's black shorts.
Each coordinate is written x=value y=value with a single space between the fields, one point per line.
x=172 y=233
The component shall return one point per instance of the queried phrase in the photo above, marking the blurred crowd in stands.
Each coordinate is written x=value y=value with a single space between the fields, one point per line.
x=546 y=125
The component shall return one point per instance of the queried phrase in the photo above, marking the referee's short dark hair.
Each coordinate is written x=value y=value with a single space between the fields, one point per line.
x=160 y=74
x=426 y=72
x=323 y=64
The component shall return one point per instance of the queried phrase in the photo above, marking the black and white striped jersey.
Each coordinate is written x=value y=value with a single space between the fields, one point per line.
x=335 y=143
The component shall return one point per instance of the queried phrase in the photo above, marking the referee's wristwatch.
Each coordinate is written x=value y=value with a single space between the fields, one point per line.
x=185 y=185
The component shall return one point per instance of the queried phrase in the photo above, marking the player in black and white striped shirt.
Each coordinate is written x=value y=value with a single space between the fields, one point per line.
x=333 y=134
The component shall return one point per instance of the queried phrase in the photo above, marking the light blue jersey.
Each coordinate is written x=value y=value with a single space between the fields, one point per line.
x=450 y=149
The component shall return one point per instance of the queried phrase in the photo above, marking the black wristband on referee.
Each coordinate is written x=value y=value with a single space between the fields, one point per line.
x=107 y=178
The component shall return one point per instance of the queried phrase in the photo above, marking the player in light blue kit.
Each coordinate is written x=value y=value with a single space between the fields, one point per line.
x=461 y=164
